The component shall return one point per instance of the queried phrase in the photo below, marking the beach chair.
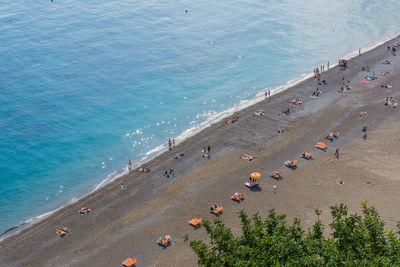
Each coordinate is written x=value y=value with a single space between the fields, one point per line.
x=291 y=164
x=322 y=146
x=218 y=210
x=195 y=222
x=306 y=155
x=129 y=262
x=166 y=241
x=238 y=197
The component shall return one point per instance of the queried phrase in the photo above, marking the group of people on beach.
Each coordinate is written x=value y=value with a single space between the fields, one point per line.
x=171 y=143
x=391 y=102
x=343 y=64
x=206 y=153
x=233 y=119
x=393 y=48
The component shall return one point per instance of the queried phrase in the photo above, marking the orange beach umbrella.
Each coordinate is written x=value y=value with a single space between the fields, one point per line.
x=255 y=175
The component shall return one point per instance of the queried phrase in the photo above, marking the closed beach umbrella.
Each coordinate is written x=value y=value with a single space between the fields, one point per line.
x=255 y=175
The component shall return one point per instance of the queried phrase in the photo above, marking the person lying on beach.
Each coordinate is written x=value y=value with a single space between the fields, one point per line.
x=365 y=68
x=296 y=101
x=363 y=113
x=384 y=73
x=178 y=156
x=339 y=182
x=286 y=111
x=371 y=78
x=258 y=113
x=386 y=85
x=247 y=157
x=84 y=210
x=390 y=101
x=213 y=207
x=386 y=62
x=341 y=89
x=145 y=170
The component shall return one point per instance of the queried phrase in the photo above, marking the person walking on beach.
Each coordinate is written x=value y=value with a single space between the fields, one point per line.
x=209 y=152
x=169 y=144
x=129 y=164
x=359 y=51
x=337 y=153
x=173 y=142
x=328 y=65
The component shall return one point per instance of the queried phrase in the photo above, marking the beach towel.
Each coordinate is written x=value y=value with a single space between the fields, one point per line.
x=366 y=81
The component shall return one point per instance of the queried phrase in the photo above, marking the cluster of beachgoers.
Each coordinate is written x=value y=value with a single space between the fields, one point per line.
x=182 y=191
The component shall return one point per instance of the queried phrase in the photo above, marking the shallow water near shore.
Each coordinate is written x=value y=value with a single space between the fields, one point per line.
x=87 y=86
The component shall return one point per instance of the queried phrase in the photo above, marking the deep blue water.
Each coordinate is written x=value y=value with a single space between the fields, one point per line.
x=87 y=85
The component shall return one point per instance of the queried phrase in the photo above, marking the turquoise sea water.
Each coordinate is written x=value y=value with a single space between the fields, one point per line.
x=87 y=85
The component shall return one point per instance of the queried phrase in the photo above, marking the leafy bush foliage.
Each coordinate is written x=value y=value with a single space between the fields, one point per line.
x=356 y=240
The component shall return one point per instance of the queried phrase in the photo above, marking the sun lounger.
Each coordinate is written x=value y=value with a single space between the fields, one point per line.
x=306 y=155
x=238 y=197
x=252 y=185
x=129 y=262
x=218 y=210
x=276 y=175
x=321 y=145
x=291 y=164
x=166 y=241
x=195 y=222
